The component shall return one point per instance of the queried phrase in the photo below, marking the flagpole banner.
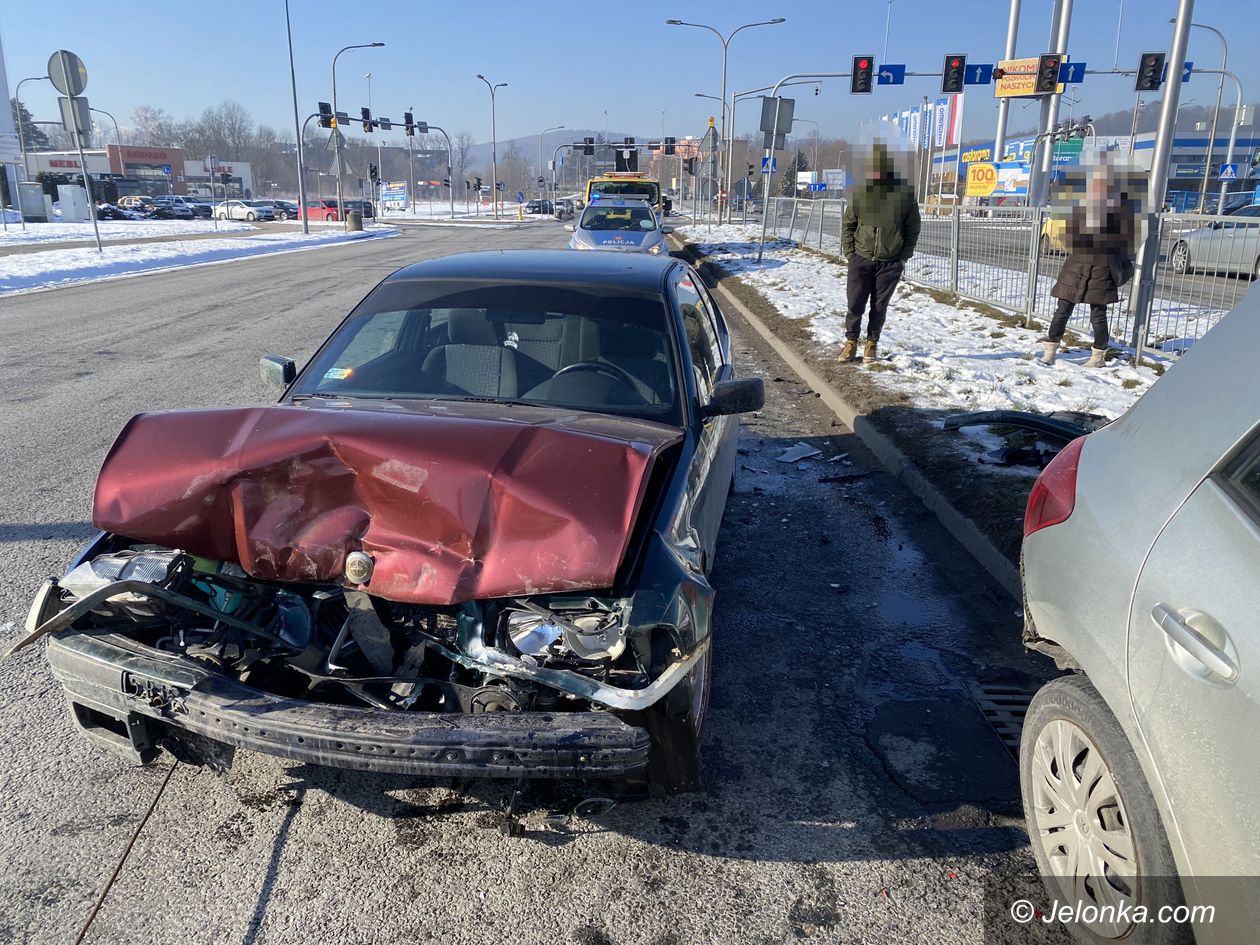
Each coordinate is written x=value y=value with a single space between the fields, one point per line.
x=956 y=119
x=916 y=136
x=940 y=123
x=905 y=123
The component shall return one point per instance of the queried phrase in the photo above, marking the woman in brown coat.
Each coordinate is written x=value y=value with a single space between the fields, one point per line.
x=1100 y=252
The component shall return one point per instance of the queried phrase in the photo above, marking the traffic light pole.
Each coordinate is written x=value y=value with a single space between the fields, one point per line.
x=1061 y=24
x=450 y=168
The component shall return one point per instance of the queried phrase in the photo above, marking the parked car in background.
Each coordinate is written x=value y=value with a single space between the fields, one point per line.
x=249 y=210
x=365 y=207
x=620 y=224
x=324 y=208
x=135 y=201
x=1140 y=566
x=202 y=207
x=544 y=206
x=286 y=209
x=548 y=615
x=180 y=210
x=1231 y=245
x=565 y=209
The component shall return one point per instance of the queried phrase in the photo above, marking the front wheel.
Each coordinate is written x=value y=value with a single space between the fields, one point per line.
x=1181 y=257
x=1255 y=270
x=1095 y=831
x=676 y=725
x=250 y=217
x=1043 y=245
x=222 y=216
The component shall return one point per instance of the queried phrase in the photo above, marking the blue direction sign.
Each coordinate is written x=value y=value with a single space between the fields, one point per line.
x=166 y=169
x=1185 y=73
x=520 y=196
x=1071 y=73
x=892 y=74
x=1229 y=172
x=978 y=73
x=817 y=188
x=769 y=166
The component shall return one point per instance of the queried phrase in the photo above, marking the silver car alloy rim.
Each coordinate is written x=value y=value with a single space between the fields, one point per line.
x=1082 y=825
x=1181 y=256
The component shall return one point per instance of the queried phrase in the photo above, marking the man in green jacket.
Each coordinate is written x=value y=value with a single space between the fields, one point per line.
x=881 y=228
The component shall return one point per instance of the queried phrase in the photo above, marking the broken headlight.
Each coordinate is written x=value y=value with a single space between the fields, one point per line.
x=588 y=630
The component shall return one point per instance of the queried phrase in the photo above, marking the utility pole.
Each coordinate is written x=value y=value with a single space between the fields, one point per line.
x=1004 y=104
x=1043 y=145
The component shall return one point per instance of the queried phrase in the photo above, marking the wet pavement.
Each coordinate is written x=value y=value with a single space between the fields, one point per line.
x=854 y=791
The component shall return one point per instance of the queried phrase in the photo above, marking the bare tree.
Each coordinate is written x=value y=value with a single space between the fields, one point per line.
x=152 y=127
x=462 y=145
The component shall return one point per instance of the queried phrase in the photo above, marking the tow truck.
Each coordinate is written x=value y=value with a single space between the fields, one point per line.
x=629 y=184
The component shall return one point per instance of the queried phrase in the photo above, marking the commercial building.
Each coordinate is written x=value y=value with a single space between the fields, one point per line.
x=143 y=170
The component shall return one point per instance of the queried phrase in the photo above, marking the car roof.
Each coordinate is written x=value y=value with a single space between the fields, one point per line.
x=629 y=200
x=623 y=270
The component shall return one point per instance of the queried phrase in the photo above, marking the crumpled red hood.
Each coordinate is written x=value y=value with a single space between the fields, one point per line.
x=454 y=504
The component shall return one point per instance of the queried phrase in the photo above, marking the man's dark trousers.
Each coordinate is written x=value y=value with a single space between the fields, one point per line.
x=875 y=280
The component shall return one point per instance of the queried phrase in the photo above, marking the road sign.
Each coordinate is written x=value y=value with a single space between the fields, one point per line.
x=1070 y=73
x=1229 y=172
x=978 y=73
x=67 y=72
x=520 y=196
x=769 y=165
x=1185 y=72
x=891 y=74
x=10 y=149
x=394 y=193
x=981 y=179
x=817 y=188
x=166 y=169
x=834 y=178
x=1019 y=78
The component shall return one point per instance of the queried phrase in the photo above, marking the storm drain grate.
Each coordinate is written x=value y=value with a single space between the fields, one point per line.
x=1005 y=707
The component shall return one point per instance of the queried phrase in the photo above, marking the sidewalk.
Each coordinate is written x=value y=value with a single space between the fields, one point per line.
x=938 y=357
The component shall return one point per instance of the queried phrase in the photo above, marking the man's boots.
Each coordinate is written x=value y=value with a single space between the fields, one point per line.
x=1048 y=350
x=1097 y=357
x=871 y=354
x=848 y=352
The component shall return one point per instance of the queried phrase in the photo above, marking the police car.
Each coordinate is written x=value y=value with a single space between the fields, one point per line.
x=619 y=224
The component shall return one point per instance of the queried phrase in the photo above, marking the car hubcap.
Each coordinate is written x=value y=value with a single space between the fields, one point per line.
x=1179 y=259
x=1081 y=823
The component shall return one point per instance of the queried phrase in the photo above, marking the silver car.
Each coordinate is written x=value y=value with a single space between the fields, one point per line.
x=250 y=210
x=620 y=224
x=1228 y=244
x=1141 y=564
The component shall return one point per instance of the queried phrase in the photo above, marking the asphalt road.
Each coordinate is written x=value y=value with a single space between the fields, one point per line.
x=854 y=791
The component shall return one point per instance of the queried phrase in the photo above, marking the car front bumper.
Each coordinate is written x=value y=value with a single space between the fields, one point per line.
x=126 y=696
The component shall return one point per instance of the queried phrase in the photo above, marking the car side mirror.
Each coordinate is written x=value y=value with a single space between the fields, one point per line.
x=667 y=229
x=570 y=228
x=277 y=371
x=734 y=396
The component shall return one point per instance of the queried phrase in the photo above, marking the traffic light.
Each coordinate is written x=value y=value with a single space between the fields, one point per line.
x=1150 y=73
x=588 y=147
x=863 y=75
x=446 y=182
x=1047 y=79
x=478 y=187
x=367 y=119
x=225 y=178
x=999 y=73
x=751 y=169
x=374 y=173
x=952 y=74
x=409 y=124
x=670 y=146
x=385 y=124
x=467 y=185
x=326 y=119
x=626 y=157
x=690 y=164
x=422 y=127
x=500 y=186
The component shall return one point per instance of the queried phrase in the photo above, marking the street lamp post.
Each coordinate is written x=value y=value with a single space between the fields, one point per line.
x=17 y=95
x=117 y=134
x=542 y=191
x=341 y=207
x=817 y=132
x=726 y=42
x=380 y=165
x=301 y=131
x=1216 y=110
x=494 y=142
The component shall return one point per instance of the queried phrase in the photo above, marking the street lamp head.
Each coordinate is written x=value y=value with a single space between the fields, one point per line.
x=777 y=20
x=673 y=22
x=376 y=44
x=481 y=77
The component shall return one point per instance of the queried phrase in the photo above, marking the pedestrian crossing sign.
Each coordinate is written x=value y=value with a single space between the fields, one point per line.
x=1229 y=172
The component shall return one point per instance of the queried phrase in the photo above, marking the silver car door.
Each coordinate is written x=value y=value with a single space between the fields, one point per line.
x=1193 y=664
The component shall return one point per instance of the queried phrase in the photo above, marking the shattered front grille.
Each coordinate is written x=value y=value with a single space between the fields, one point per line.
x=438 y=622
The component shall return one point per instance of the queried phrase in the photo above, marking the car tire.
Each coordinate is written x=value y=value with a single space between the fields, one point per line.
x=676 y=725
x=1043 y=244
x=250 y=217
x=1069 y=720
x=1179 y=258
x=222 y=216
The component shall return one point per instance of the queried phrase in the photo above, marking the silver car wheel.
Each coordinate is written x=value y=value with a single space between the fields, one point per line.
x=1081 y=822
x=1181 y=258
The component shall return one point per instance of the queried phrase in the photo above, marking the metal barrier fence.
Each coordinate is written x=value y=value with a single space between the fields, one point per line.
x=1009 y=258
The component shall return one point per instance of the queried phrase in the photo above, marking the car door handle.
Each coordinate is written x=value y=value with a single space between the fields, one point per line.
x=1194 y=643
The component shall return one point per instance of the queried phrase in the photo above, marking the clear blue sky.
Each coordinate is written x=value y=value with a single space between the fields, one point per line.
x=567 y=62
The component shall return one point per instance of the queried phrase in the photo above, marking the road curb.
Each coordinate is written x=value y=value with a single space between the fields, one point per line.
x=888 y=453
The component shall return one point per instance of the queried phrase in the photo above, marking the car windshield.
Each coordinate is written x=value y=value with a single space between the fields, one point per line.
x=589 y=348
x=648 y=190
x=258 y=203
x=603 y=217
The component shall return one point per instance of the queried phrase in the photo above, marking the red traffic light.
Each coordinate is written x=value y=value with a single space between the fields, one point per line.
x=955 y=62
x=864 y=63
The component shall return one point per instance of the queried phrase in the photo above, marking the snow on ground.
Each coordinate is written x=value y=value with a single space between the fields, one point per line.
x=112 y=230
x=60 y=267
x=943 y=355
